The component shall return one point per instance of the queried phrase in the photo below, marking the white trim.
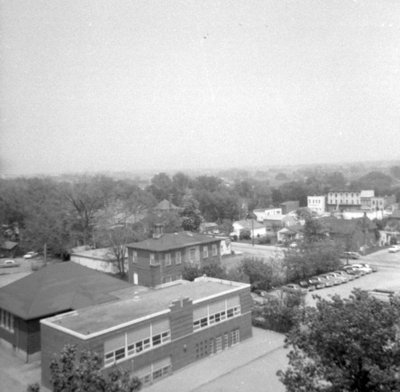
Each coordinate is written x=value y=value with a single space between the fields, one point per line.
x=49 y=323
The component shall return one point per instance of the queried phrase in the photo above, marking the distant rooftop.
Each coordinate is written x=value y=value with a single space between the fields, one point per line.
x=99 y=318
x=170 y=241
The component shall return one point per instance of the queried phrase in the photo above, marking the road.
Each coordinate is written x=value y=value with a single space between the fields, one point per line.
x=257 y=250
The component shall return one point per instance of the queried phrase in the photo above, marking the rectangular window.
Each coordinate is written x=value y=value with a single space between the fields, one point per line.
x=153 y=259
x=235 y=336
x=6 y=320
x=134 y=256
x=178 y=258
x=167 y=259
x=120 y=353
x=156 y=340
x=192 y=254
x=214 y=250
x=205 y=252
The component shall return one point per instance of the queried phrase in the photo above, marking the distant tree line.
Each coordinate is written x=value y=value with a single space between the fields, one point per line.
x=62 y=212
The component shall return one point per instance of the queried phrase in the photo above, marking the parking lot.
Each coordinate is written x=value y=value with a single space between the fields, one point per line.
x=387 y=277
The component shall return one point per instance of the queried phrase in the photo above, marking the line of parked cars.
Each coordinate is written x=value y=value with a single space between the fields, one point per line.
x=346 y=274
x=329 y=279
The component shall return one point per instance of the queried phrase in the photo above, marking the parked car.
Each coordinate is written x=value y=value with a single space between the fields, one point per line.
x=345 y=275
x=394 y=249
x=293 y=288
x=258 y=300
x=31 y=255
x=351 y=255
x=305 y=284
x=317 y=282
x=349 y=269
x=363 y=267
x=9 y=263
x=328 y=282
x=337 y=279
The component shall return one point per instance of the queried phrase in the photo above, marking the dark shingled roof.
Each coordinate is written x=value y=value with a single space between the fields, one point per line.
x=57 y=288
x=172 y=241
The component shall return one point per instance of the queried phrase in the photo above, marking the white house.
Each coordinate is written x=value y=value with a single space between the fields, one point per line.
x=317 y=204
x=269 y=213
x=255 y=228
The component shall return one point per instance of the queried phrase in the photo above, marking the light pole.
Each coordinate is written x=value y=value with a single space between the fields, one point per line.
x=251 y=216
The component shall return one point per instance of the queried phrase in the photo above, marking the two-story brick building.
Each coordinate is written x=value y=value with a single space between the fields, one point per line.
x=156 y=332
x=162 y=259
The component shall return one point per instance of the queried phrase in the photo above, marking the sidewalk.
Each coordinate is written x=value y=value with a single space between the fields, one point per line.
x=225 y=367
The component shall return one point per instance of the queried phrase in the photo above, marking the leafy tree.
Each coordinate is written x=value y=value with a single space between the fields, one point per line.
x=345 y=345
x=191 y=217
x=262 y=274
x=310 y=259
x=314 y=231
x=85 y=197
x=71 y=372
x=395 y=172
x=378 y=181
x=161 y=187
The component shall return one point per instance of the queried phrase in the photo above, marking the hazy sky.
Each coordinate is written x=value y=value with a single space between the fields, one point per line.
x=132 y=85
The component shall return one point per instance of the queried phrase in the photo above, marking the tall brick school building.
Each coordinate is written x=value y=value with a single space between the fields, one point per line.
x=155 y=332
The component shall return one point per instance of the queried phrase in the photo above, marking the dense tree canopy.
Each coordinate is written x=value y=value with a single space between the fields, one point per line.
x=345 y=345
x=72 y=371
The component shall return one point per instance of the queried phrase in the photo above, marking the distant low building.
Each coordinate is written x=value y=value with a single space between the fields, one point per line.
x=289 y=206
x=254 y=228
x=289 y=234
x=208 y=228
x=339 y=199
x=317 y=204
x=263 y=214
x=166 y=206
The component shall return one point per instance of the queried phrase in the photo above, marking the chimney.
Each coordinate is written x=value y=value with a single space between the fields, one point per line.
x=158 y=230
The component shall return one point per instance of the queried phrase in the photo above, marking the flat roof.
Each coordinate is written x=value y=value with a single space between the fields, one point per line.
x=99 y=319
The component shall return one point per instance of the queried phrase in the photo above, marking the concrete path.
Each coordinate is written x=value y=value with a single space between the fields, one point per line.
x=251 y=365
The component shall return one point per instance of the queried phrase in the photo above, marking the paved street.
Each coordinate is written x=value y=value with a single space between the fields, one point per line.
x=257 y=250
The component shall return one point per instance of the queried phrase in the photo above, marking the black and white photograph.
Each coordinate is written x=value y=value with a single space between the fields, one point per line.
x=200 y=196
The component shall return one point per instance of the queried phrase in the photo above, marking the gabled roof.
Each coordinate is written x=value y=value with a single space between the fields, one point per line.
x=8 y=245
x=165 y=205
x=249 y=224
x=172 y=241
x=58 y=288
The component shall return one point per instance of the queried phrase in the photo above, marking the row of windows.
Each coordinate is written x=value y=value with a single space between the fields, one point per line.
x=215 y=318
x=132 y=349
x=178 y=256
x=155 y=374
x=6 y=320
x=210 y=346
